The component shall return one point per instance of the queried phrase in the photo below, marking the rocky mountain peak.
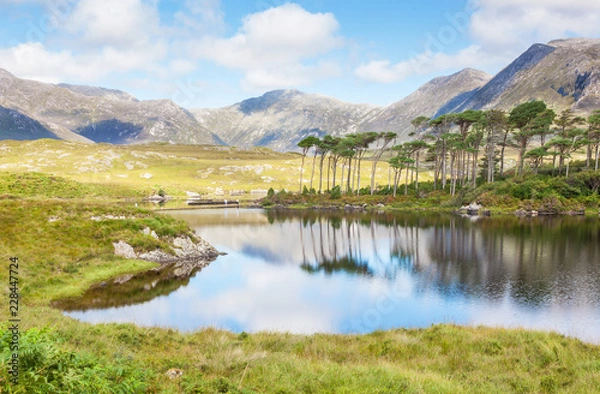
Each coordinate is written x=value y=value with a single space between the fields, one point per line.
x=576 y=43
x=264 y=102
x=5 y=74
x=94 y=91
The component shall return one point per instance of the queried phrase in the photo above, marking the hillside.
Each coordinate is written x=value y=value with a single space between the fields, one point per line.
x=83 y=113
x=563 y=73
x=279 y=119
x=429 y=99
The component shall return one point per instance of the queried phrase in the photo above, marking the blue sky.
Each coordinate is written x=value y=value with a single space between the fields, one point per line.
x=213 y=53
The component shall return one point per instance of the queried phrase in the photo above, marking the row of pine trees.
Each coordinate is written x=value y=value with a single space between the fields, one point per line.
x=460 y=147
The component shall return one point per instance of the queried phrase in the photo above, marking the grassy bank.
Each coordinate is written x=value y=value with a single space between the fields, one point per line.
x=62 y=230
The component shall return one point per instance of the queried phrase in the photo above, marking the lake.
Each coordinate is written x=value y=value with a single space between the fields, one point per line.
x=309 y=272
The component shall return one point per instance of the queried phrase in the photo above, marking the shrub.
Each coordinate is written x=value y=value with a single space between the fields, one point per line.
x=336 y=193
x=587 y=181
x=45 y=368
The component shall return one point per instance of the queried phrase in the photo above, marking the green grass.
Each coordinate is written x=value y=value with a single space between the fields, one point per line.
x=46 y=222
x=34 y=184
x=439 y=359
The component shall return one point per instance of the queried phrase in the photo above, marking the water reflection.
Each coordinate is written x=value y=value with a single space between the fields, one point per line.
x=358 y=272
x=539 y=260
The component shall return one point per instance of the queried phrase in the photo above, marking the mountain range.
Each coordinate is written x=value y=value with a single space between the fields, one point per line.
x=564 y=73
x=31 y=110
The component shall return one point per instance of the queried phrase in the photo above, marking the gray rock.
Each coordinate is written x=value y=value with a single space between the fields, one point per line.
x=123 y=279
x=157 y=256
x=123 y=249
x=148 y=231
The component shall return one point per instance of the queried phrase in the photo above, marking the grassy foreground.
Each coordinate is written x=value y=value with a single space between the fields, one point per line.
x=46 y=222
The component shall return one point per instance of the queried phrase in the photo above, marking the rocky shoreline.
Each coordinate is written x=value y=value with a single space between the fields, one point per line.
x=191 y=254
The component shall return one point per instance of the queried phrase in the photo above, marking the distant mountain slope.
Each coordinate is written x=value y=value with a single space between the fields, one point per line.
x=95 y=91
x=564 y=73
x=279 y=119
x=441 y=92
x=101 y=115
x=16 y=126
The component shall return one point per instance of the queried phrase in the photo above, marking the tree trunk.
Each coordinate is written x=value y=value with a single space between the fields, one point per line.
x=444 y=169
x=475 y=158
x=396 y=176
x=358 y=176
x=321 y=172
x=490 y=160
x=406 y=183
x=329 y=173
x=301 y=172
x=342 y=178
x=312 y=175
x=453 y=173
x=436 y=172
x=521 y=159
x=502 y=154
x=373 y=170
x=417 y=173
x=349 y=175
x=334 y=163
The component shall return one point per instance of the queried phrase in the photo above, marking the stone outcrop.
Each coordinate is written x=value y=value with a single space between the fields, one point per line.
x=190 y=255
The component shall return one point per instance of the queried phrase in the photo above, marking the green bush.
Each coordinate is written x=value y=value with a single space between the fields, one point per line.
x=45 y=368
x=336 y=193
x=587 y=181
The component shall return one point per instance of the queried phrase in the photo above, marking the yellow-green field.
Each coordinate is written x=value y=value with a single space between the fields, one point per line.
x=174 y=168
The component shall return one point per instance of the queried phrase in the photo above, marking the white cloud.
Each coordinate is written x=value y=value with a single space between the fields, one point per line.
x=34 y=61
x=273 y=47
x=519 y=23
x=499 y=31
x=201 y=16
x=115 y=23
x=383 y=71
x=97 y=39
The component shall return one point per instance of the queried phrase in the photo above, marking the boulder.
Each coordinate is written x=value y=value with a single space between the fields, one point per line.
x=123 y=249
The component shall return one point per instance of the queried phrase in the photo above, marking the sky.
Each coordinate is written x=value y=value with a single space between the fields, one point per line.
x=214 y=53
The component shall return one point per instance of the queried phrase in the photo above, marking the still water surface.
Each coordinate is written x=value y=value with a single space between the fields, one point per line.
x=310 y=272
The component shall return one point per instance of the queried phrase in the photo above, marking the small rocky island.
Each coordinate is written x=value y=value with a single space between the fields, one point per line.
x=187 y=255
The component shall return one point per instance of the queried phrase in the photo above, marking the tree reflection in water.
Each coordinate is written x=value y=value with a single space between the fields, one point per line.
x=536 y=261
